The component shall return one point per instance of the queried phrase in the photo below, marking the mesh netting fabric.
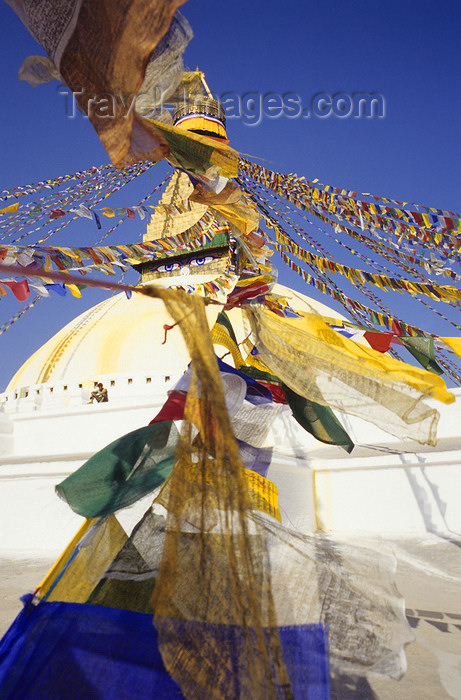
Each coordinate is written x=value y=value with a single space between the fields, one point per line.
x=324 y=367
x=315 y=579
x=129 y=581
x=214 y=567
x=349 y=587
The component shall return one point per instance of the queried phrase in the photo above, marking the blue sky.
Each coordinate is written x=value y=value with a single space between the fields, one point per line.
x=407 y=52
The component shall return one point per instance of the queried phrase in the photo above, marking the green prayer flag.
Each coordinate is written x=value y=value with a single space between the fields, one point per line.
x=318 y=420
x=192 y=155
x=122 y=472
x=374 y=318
x=422 y=349
x=223 y=320
x=259 y=375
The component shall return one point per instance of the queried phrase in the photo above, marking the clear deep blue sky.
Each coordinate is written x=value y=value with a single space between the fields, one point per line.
x=407 y=51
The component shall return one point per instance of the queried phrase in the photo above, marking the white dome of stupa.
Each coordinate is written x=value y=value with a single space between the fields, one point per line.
x=120 y=336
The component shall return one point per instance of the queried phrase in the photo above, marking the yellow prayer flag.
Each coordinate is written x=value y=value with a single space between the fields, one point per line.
x=244 y=216
x=263 y=494
x=220 y=336
x=345 y=352
x=454 y=344
x=74 y=290
x=64 y=557
x=11 y=209
x=94 y=554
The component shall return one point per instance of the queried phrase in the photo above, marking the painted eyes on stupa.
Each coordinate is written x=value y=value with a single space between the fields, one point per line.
x=202 y=261
x=171 y=267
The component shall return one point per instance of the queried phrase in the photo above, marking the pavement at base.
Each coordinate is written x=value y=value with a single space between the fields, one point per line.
x=428 y=576
x=17 y=577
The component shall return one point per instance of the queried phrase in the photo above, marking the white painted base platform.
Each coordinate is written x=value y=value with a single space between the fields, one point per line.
x=384 y=487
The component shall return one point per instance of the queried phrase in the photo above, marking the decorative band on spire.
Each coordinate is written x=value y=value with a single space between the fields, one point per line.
x=203 y=115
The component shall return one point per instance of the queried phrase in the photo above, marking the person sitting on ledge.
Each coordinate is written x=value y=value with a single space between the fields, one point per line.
x=100 y=394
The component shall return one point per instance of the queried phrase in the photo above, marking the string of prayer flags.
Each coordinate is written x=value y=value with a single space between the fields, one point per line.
x=350 y=216
x=60 y=180
x=304 y=194
x=403 y=255
x=76 y=201
x=375 y=317
x=102 y=256
x=18 y=315
x=437 y=292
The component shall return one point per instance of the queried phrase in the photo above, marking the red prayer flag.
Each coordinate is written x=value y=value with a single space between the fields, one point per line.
x=379 y=341
x=56 y=213
x=172 y=409
x=20 y=289
x=278 y=395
